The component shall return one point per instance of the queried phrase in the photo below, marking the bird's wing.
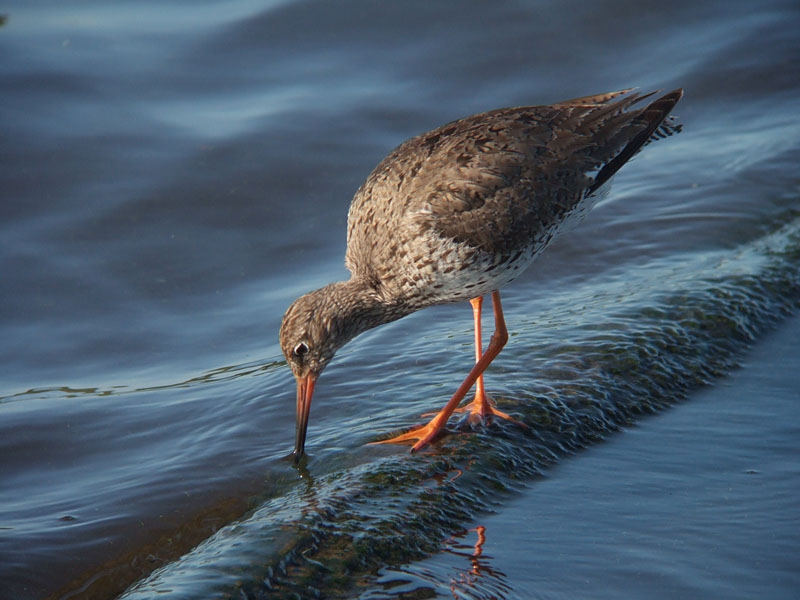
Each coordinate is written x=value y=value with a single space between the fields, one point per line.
x=492 y=179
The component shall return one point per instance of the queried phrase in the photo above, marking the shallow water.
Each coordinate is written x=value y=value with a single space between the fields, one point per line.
x=713 y=516
x=173 y=176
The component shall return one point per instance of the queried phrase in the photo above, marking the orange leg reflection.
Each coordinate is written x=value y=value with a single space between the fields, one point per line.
x=480 y=577
x=479 y=544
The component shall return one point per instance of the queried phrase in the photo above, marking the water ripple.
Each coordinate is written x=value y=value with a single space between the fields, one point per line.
x=332 y=534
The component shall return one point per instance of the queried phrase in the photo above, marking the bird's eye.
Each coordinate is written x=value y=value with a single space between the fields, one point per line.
x=300 y=350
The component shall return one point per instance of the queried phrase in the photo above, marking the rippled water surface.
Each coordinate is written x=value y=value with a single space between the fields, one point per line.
x=174 y=174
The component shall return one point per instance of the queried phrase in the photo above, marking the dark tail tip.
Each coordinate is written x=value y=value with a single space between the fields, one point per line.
x=655 y=115
x=659 y=109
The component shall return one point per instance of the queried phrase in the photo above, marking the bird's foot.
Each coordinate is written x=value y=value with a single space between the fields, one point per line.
x=424 y=434
x=482 y=409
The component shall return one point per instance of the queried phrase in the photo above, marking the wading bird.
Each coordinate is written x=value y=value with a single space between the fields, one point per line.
x=457 y=213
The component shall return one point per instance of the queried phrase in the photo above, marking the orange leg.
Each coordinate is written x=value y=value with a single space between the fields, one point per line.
x=482 y=407
x=426 y=433
x=481 y=399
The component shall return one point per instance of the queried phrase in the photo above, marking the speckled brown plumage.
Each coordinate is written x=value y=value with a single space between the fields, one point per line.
x=462 y=210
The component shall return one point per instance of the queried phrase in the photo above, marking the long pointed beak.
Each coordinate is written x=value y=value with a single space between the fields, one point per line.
x=305 y=389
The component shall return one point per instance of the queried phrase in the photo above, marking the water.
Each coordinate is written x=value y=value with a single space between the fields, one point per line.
x=174 y=175
x=696 y=503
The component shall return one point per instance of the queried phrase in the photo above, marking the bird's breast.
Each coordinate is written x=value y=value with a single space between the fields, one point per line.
x=432 y=270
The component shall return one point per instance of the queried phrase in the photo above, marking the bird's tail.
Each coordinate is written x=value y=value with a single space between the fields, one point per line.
x=658 y=125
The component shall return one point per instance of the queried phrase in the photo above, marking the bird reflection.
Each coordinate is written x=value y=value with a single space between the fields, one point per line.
x=301 y=466
x=480 y=580
x=310 y=503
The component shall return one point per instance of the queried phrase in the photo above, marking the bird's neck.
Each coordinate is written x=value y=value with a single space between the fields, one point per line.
x=356 y=307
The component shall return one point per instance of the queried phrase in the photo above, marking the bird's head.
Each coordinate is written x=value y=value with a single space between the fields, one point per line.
x=320 y=323
x=310 y=336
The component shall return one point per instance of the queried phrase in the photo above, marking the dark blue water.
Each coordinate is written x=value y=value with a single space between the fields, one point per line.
x=173 y=175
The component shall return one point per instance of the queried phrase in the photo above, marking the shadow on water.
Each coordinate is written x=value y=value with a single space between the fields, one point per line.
x=332 y=533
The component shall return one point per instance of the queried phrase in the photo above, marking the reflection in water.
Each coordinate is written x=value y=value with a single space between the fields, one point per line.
x=480 y=580
x=476 y=579
x=310 y=502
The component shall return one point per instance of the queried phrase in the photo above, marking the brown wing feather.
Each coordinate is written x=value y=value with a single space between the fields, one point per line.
x=498 y=179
